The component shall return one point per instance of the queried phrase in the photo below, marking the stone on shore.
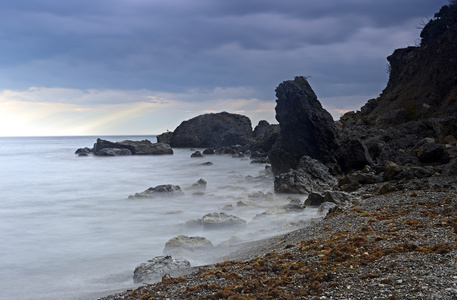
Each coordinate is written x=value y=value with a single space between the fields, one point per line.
x=155 y=268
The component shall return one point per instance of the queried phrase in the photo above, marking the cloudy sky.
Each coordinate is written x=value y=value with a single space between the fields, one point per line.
x=142 y=66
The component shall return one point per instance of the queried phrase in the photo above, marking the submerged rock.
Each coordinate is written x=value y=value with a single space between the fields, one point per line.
x=199 y=185
x=160 y=190
x=155 y=268
x=218 y=220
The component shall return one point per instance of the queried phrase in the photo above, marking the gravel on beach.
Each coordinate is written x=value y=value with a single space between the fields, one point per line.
x=400 y=245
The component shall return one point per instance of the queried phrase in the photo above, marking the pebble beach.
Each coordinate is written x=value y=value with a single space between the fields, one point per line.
x=400 y=245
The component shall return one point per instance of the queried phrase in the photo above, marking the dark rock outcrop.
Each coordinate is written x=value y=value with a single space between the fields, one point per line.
x=306 y=128
x=145 y=147
x=212 y=130
x=310 y=176
x=264 y=137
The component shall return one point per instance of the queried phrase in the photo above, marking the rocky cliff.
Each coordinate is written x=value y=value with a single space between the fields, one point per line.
x=423 y=80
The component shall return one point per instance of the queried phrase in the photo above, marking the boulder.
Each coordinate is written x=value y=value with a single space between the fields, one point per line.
x=212 y=130
x=391 y=170
x=155 y=268
x=208 y=151
x=294 y=205
x=218 y=220
x=314 y=199
x=311 y=176
x=450 y=169
x=164 y=190
x=354 y=155
x=196 y=154
x=306 y=128
x=336 y=197
x=185 y=245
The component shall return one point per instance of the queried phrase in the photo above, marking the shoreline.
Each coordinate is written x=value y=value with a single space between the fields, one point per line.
x=400 y=245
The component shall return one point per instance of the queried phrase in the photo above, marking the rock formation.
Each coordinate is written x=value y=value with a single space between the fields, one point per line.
x=212 y=130
x=107 y=148
x=306 y=128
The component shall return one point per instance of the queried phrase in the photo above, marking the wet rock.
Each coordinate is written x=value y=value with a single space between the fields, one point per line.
x=155 y=268
x=218 y=220
x=314 y=199
x=165 y=190
x=294 y=205
x=185 y=245
x=193 y=224
x=336 y=197
x=113 y=152
x=311 y=176
x=208 y=163
x=325 y=207
x=83 y=151
x=196 y=154
x=209 y=151
x=199 y=185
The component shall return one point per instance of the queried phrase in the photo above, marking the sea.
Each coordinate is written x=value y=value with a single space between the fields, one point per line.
x=68 y=229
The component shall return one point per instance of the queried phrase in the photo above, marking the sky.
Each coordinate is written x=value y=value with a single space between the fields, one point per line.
x=117 y=67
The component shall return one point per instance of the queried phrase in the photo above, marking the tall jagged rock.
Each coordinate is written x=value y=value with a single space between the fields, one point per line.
x=306 y=128
x=213 y=130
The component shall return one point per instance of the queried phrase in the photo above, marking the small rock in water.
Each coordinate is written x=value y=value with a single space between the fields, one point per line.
x=196 y=154
x=182 y=245
x=160 y=190
x=200 y=184
x=218 y=220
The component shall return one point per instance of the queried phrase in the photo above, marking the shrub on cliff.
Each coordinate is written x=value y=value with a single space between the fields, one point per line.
x=442 y=21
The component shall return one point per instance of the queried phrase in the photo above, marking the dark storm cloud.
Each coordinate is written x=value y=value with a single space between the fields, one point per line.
x=174 y=46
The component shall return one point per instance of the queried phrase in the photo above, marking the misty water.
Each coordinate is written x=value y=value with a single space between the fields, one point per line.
x=68 y=229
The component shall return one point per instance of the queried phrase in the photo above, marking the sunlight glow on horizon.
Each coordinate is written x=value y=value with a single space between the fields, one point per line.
x=22 y=114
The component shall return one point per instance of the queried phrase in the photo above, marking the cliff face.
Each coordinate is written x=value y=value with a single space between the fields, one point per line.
x=422 y=82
